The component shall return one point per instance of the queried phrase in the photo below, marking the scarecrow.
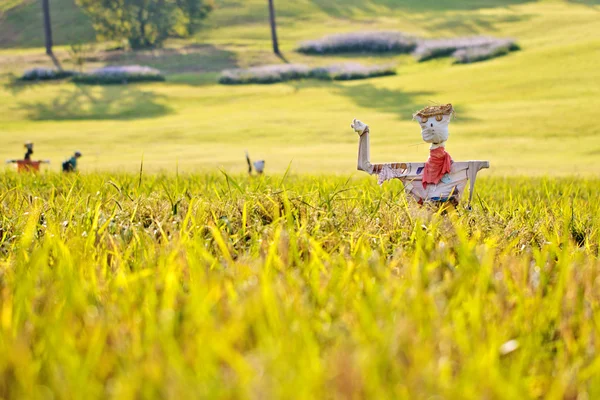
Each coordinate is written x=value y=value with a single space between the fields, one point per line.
x=440 y=179
x=27 y=164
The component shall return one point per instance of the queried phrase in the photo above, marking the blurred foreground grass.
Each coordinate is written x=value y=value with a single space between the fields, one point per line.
x=207 y=286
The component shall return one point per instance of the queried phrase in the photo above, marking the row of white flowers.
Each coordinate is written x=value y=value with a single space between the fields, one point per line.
x=45 y=74
x=110 y=74
x=357 y=42
x=463 y=49
x=288 y=72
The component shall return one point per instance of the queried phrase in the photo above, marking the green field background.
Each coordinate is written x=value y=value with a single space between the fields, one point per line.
x=532 y=112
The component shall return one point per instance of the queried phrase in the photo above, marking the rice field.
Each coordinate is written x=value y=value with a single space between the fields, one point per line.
x=522 y=111
x=216 y=286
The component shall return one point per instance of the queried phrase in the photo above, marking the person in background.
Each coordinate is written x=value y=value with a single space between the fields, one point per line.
x=71 y=164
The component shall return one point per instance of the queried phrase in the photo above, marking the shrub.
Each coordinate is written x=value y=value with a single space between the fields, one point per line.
x=46 y=74
x=351 y=71
x=120 y=75
x=373 y=42
x=435 y=48
x=265 y=74
x=281 y=73
x=481 y=53
x=463 y=49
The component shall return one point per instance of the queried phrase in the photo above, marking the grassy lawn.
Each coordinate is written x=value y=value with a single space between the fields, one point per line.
x=528 y=112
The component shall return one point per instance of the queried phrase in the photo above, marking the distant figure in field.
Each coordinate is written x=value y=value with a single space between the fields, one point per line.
x=259 y=166
x=26 y=164
x=71 y=164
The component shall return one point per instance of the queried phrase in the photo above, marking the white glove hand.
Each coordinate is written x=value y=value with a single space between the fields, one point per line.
x=358 y=126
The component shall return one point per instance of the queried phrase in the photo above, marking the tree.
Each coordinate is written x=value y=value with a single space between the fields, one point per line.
x=273 y=28
x=145 y=23
x=48 y=32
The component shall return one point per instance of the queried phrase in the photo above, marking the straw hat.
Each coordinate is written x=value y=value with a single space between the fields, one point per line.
x=434 y=111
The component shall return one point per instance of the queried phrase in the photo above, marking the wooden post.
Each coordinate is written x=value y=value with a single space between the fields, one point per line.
x=273 y=28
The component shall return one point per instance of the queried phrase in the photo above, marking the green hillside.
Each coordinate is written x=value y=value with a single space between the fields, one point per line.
x=21 y=23
x=528 y=112
x=21 y=19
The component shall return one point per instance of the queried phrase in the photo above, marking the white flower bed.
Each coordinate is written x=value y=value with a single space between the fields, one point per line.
x=358 y=42
x=485 y=52
x=45 y=74
x=120 y=75
x=351 y=71
x=288 y=72
x=265 y=74
x=460 y=48
x=463 y=49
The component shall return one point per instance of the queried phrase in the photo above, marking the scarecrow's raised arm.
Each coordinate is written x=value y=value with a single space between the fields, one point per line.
x=364 y=153
x=364 y=164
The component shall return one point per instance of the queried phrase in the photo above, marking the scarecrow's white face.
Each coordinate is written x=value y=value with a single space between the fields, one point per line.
x=434 y=129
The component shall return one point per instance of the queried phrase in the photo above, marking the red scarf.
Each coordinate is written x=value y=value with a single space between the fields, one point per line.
x=438 y=165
